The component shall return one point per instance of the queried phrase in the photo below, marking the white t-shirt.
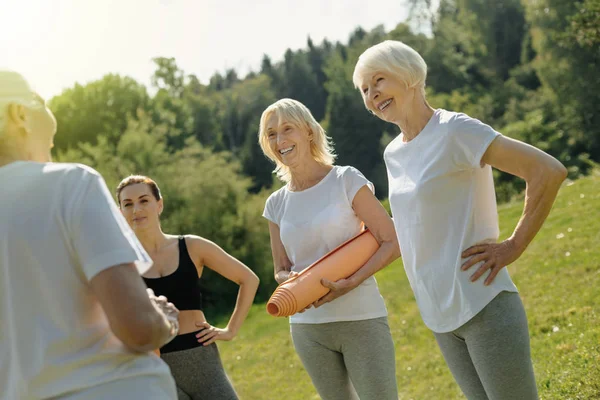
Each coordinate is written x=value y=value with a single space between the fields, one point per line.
x=443 y=202
x=59 y=227
x=315 y=221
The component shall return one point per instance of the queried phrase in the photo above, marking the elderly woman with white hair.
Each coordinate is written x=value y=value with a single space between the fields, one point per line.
x=441 y=193
x=344 y=341
x=77 y=321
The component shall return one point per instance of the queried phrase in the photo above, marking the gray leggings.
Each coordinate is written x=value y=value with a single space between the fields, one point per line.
x=199 y=374
x=489 y=356
x=348 y=360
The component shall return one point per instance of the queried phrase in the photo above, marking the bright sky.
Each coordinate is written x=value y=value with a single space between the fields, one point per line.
x=55 y=43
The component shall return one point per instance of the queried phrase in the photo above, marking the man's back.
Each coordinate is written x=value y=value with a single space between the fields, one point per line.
x=54 y=335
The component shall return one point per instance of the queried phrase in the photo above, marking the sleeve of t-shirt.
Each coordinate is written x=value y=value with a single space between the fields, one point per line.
x=100 y=235
x=269 y=212
x=354 y=180
x=471 y=139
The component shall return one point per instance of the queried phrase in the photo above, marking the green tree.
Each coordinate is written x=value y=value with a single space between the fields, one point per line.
x=316 y=58
x=102 y=107
x=356 y=134
x=300 y=82
x=201 y=103
x=168 y=105
x=566 y=39
x=243 y=105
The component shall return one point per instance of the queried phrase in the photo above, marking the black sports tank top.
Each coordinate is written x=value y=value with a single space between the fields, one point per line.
x=182 y=287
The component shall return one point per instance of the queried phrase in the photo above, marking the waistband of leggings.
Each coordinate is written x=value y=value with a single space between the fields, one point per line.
x=182 y=342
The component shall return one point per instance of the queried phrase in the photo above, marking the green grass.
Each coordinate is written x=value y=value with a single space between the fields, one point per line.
x=558 y=278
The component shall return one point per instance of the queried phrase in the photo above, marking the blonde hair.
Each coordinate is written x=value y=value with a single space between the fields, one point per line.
x=297 y=114
x=395 y=58
x=14 y=89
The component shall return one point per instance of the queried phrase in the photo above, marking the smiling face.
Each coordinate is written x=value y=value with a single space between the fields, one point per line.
x=139 y=206
x=386 y=96
x=289 y=143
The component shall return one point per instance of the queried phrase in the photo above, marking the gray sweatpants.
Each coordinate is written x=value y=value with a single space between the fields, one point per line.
x=489 y=356
x=348 y=360
x=199 y=374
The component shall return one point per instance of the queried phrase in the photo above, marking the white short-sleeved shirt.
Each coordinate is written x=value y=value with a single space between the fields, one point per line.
x=59 y=227
x=443 y=201
x=315 y=221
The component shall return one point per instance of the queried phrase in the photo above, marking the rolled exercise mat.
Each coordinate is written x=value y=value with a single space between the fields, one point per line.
x=298 y=292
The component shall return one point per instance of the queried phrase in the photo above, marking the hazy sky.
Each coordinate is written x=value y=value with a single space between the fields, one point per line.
x=56 y=43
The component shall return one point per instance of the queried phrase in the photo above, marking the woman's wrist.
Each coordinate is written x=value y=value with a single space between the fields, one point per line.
x=354 y=281
x=517 y=245
x=232 y=331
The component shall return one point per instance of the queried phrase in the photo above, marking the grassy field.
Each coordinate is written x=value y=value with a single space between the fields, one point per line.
x=558 y=278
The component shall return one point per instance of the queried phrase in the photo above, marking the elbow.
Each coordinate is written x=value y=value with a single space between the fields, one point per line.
x=561 y=172
x=140 y=334
x=557 y=172
x=250 y=280
x=140 y=343
x=394 y=249
x=550 y=173
x=253 y=281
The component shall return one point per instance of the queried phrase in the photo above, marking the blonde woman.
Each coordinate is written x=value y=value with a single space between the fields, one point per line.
x=344 y=341
x=441 y=193
x=76 y=319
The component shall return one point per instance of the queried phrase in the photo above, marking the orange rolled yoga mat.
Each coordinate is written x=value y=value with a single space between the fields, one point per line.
x=298 y=292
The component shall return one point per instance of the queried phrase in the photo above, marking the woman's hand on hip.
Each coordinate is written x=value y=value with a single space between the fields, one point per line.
x=337 y=289
x=210 y=334
x=494 y=257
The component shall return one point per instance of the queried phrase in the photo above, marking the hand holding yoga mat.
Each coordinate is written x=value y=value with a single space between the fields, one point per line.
x=298 y=292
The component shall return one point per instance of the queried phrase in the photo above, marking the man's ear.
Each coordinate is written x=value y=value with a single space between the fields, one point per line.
x=16 y=114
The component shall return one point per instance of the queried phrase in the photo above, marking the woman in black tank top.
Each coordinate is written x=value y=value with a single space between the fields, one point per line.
x=178 y=263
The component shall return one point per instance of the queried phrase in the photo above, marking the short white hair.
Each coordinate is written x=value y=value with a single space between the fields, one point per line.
x=14 y=89
x=297 y=114
x=395 y=58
